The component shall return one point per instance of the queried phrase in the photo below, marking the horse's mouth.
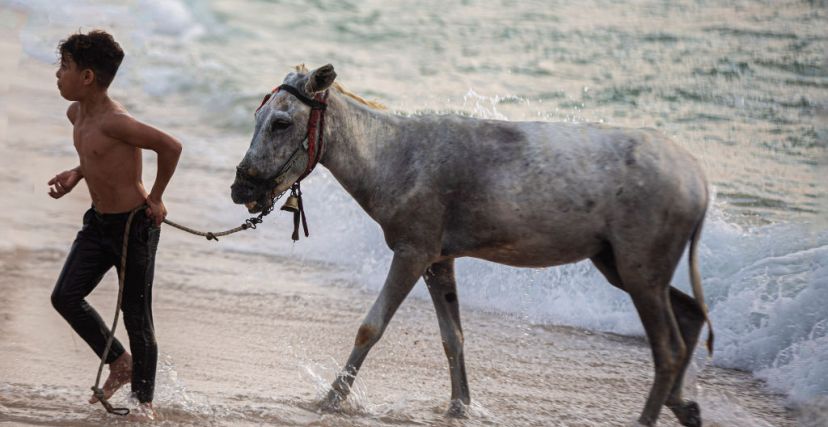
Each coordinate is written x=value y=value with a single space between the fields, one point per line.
x=253 y=207
x=257 y=206
x=263 y=203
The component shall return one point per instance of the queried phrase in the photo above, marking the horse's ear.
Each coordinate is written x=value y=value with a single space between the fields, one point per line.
x=320 y=79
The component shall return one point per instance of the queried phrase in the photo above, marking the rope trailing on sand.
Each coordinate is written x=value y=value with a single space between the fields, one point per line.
x=99 y=393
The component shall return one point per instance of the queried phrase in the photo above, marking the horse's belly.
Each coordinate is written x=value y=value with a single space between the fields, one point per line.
x=539 y=250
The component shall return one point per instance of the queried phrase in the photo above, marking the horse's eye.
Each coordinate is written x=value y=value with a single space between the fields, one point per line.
x=279 y=124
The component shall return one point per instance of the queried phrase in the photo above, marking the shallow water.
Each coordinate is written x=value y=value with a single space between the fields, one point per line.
x=741 y=84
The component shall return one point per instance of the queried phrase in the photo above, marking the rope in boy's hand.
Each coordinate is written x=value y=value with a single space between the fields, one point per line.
x=249 y=223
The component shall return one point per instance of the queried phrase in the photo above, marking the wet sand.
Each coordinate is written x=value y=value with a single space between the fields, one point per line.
x=266 y=355
x=250 y=339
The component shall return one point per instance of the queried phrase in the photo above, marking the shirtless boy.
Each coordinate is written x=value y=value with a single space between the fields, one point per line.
x=109 y=142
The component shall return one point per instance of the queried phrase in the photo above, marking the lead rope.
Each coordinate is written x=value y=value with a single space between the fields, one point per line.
x=99 y=393
x=248 y=224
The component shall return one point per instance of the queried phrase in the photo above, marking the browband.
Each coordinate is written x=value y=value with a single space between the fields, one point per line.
x=310 y=102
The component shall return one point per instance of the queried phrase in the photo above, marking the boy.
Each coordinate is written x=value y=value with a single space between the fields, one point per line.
x=109 y=142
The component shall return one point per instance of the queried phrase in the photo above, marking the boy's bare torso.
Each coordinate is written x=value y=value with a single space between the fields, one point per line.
x=112 y=168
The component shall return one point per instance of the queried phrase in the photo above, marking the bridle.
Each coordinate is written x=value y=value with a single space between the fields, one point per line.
x=313 y=144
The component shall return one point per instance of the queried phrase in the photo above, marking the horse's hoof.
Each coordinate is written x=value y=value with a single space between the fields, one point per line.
x=688 y=413
x=332 y=402
x=456 y=409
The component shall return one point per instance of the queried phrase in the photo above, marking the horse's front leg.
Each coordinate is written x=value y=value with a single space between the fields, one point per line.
x=439 y=278
x=406 y=267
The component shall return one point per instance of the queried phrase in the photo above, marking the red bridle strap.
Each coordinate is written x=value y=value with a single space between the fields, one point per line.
x=316 y=123
x=316 y=126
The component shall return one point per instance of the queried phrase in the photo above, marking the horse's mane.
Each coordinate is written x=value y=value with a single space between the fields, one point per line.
x=341 y=89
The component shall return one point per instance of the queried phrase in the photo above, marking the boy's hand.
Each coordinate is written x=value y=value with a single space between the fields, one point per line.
x=156 y=210
x=63 y=183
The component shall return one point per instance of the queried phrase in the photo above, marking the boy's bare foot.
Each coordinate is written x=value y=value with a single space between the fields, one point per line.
x=144 y=412
x=120 y=373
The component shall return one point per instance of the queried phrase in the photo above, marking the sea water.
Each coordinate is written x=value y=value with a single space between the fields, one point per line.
x=743 y=85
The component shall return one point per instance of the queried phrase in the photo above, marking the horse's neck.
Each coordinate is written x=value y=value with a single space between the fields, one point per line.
x=356 y=137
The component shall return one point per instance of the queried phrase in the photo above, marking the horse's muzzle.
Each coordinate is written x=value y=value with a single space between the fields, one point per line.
x=254 y=194
x=245 y=188
x=242 y=192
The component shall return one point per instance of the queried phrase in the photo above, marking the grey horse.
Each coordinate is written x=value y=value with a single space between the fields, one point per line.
x=525 y=194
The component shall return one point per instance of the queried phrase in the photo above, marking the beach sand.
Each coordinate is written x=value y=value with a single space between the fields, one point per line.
x=250 y=339
x=249 y=357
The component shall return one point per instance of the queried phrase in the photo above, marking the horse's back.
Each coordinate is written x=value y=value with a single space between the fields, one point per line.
x=573 y=165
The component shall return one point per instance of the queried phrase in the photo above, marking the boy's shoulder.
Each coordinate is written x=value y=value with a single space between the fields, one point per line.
x=117 y=123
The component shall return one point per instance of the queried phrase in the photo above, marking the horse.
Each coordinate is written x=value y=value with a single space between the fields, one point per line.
x=525 y=194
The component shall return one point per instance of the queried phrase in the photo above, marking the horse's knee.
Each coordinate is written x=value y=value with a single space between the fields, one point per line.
x=453 y=352
x=670 y=362
x=367 y=336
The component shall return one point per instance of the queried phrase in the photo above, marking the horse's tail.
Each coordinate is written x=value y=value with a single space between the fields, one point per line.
x=695 y=280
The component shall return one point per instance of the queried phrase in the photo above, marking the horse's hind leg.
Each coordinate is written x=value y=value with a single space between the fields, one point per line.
x=690 y=318
x=406 y=268
x=443 y=289
x=645 y=270
x=665 y=340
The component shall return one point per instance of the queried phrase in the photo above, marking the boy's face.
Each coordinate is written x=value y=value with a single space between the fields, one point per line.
x=73 y=82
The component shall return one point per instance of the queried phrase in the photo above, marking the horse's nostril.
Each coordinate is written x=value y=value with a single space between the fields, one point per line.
x=244 y=170
x=241 y=192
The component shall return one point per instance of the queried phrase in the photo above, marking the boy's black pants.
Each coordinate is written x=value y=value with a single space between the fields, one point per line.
x=96 y=249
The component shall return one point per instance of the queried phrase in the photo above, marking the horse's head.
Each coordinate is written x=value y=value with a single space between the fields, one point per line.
x=278 y=153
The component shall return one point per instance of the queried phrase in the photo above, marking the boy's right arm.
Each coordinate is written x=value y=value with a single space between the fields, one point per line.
x=65 y=181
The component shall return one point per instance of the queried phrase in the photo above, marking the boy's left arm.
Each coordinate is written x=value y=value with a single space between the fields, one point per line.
x=125 y=128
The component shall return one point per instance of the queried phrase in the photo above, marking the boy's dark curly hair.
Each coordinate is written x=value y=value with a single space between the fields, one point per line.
x=96 y=50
